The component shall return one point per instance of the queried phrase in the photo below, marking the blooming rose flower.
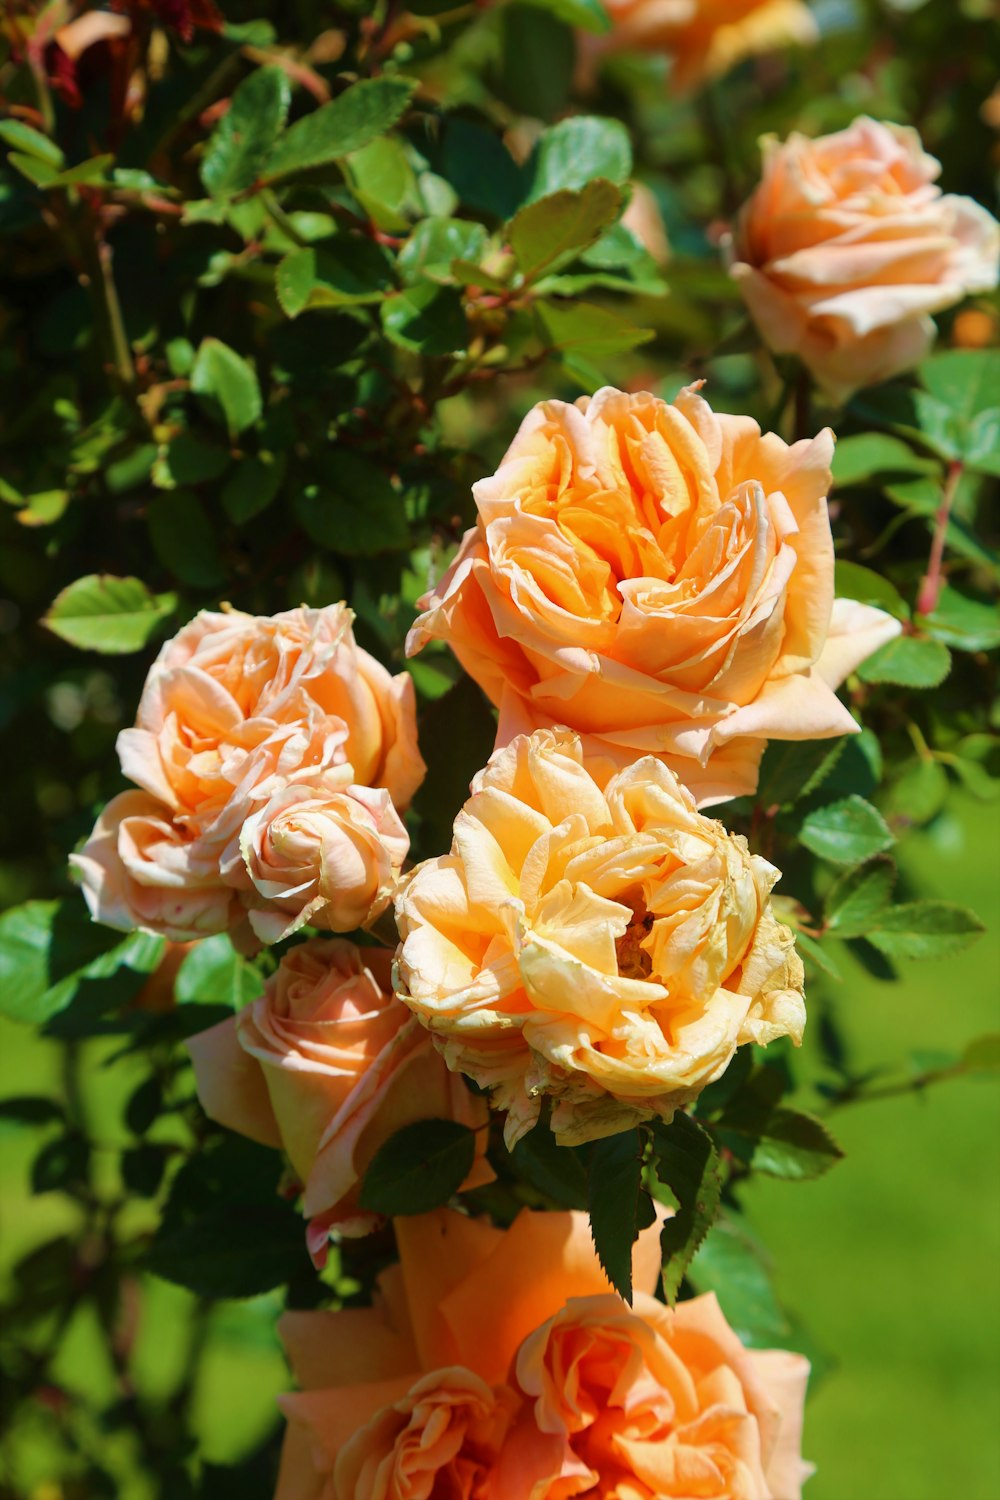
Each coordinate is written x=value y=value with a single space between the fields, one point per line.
x=610 y=948
x=326 y=1065
x=236 y=708
x=848 y=245
x=660 y=578
x=323 y=853
x=495 y=1365
x=705 y=37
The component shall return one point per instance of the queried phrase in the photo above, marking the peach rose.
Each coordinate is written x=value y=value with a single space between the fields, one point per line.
x=609 y=948
x=323 y=853
x=705 y=38
x=326 y=1065
x=848 y=245
x=660 y=578
x=496 y=1365
x=236 y=708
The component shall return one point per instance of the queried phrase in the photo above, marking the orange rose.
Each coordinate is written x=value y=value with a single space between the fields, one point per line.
x=326 y=1065
x=323 y=853
x=236 y=708
x=705 y=37
x=609 y=948
x=848 y=245
x=659 y=578
x=496 y=1365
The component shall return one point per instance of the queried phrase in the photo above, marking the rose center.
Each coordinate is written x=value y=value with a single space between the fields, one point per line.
x=633 y=960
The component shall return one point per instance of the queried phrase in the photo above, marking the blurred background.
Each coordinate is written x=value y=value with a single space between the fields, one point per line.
x=117 y=1381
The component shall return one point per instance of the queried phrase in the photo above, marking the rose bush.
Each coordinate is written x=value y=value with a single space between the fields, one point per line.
x=496 y=1365
x=325 y=1066
x=659 y=578
x=848 y=245
x=611 y=948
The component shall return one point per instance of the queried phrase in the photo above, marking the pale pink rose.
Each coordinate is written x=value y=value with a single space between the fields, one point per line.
x=235 y=709
x=138 y=870
x=848 y=245
x=326 y=1065
x=322 y=853
x=658 y=577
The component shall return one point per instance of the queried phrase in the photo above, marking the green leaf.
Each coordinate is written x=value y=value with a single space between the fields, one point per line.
x=61 y=1165
x=966 y=381
x=614 y=1187
x=918 y=793
x=347 y=272
x=356 y=512
x=384 y=183
x=914 y=414
x=435 y=244
x=252 y=486
x=688 y=1163
x=550 y=1168
x=982 y=1055
x=578 y=150
x=581 y=15
x=426 y=319
x=982 y=444
x=106 y=614
x=30 y=1109
x=781 y=1142
x=49 y=950
x=908 y=661
x=188 y=460
x=184 y=538
x=967 y=624
x=585 y=329
x=857 y=896
x=925 y=929
x=213 y=973
x=857 y=459
x=239 y=144
x=224 y=376
x=232 y=1251
x=818 y=954
x=550 y=228
x=537 y=58
x=851 y=581
x=792 y=769
x=24 y=138
x=362 y=112
x=846 y=832
x=44 y=175
x=144 y=1105
x=734 y=1265
x=418 y=1168
x=480 y=169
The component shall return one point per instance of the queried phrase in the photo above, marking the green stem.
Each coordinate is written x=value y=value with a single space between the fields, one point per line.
x=281 y=219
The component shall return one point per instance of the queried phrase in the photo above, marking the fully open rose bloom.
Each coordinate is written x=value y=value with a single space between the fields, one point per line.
x=326 y=1065
x=705 y=37
x=660 y=578
x=498 y=1365
x=235 y=709
x=848 y=245
x=609 y=948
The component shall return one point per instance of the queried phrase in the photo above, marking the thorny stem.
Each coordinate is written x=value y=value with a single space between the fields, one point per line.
x=853 y=1095
x=930 y=588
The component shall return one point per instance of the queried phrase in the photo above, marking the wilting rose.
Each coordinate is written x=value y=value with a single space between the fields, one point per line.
x=704 y=38
x=609 y=948
x=326 y=1065
x=496 y=1365
x=235 y=709
x=323 y=853
x=848 y=245
x=659 y=578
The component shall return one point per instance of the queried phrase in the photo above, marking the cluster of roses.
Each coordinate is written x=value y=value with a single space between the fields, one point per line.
x=647 y=599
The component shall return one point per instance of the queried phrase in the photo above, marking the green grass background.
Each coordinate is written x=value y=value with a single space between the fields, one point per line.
x=892 y=1260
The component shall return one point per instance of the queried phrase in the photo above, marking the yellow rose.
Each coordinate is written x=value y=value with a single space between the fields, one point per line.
x=847 y=247
x=611 y=948
x=659 y=578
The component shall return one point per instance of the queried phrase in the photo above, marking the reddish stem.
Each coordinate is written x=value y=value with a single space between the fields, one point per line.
x=930 y=587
